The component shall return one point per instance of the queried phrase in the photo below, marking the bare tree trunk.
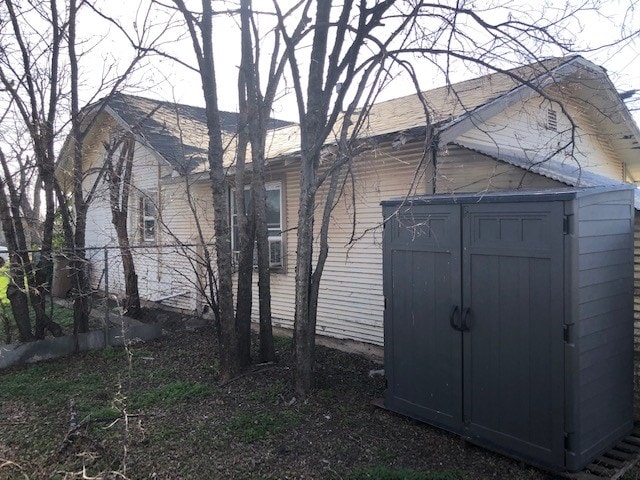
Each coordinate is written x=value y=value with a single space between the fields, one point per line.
x=119 y=179
x=78 y=260
x=259 y=193
x=244 y=289
x=81 y=292
x=44 y=267
x=15 y=291
x=230 y=364
x=259 y=109
x=311 y=126
x=244 y=224
x=131 y=306
x=20 y=308
x=305 y=321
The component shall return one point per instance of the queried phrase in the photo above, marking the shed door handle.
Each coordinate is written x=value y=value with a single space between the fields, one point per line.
x=466 y=319
x=452 y=318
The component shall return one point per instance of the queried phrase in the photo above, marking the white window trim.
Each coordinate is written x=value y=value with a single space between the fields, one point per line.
x=143 y=217
x=275 y=185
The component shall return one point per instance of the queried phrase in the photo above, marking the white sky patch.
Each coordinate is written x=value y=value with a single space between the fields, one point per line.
x=108 y=52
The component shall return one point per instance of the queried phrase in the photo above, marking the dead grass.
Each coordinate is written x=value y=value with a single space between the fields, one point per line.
x=181 y=424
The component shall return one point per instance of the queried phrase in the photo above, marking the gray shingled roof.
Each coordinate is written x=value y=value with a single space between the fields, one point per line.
x=177 y=132
x=445 y=105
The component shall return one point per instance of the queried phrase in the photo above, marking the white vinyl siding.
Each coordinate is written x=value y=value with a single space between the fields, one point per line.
x=164 y=273
x=351 y=304
x=522 y=131
x=462 y=170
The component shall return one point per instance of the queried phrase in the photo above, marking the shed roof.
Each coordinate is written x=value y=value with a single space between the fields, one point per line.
x=534 y=195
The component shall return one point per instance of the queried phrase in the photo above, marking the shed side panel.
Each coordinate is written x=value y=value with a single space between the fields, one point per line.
x=636 y=313
x=604 y=329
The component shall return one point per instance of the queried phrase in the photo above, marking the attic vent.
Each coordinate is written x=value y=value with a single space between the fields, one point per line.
x=552 y=119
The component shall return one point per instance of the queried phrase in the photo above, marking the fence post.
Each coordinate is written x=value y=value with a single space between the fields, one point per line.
x=106 y=296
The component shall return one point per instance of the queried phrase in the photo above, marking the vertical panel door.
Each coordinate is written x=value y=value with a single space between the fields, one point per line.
x=513 y=308
x=423 y=358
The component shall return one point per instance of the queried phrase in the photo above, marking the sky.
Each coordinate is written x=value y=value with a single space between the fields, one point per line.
x=108 y=52
x=590 y=29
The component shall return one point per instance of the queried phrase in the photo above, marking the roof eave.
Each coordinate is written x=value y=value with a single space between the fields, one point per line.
x=452 y=129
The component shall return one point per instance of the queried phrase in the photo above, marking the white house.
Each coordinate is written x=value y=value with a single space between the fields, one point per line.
x=545 y=125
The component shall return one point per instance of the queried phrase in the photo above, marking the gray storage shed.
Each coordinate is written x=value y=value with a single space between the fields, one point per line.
x=509 y=318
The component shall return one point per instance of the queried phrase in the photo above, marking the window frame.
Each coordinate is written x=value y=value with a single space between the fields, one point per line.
x=270 y=185
x=552 y=119
x=144 y=200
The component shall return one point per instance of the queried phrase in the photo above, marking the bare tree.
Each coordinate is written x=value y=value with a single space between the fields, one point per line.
x=319 y=110
x=259 y=104
x=13 y=232
x=254 y=115
x=118 y=177
x=200 y=30
x=245 y=224
x=44 y=87
x=24 y=75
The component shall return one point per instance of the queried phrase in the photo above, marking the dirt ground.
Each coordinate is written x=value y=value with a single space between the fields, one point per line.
x=181 y=425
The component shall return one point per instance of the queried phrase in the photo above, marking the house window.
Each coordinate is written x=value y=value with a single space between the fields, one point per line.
x=274 y=223
x=552 y=119
x=148 y=214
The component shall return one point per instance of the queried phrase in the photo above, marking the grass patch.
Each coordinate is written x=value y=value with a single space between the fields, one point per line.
x=61 y=315
x=142 y=353
x=386 y=473
x=327 y=394
x=104 y=413
x=47 y=385
x=171 y=394
x=251 y=428
x=283 y=343
x=113 y=353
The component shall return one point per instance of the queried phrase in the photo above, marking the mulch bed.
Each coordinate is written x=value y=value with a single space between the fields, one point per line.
x=184 y=426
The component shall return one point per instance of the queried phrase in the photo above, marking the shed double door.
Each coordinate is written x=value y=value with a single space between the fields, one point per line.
x=474 y=322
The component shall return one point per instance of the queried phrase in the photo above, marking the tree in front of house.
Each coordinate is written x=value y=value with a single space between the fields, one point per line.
x=250 y=211
x=118 y=172
x=43 y=69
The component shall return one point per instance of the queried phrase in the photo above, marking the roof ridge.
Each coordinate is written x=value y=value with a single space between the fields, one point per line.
x=471 y=81
x=165 y=102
